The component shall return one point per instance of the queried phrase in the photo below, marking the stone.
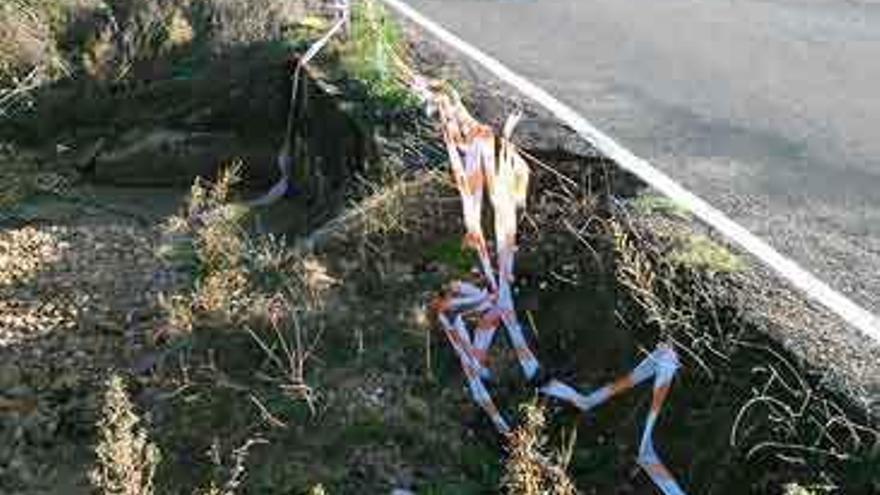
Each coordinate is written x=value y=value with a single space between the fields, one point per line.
x=10 y=376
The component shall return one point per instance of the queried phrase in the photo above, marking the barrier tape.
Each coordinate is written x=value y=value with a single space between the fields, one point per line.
x=284 y=186
x=479 y=162
x=816 y=289
x=662 y=364
x=342 y=13
x=482 y=162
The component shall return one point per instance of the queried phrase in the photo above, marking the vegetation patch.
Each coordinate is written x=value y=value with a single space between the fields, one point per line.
x=702 y=253
x=648 y=204
x=307 y=360
x=373 y=54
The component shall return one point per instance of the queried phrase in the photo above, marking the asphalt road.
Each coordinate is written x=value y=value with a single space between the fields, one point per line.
x=768 y=109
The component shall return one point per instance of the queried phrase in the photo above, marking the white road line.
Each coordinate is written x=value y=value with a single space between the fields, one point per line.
x=818 y=290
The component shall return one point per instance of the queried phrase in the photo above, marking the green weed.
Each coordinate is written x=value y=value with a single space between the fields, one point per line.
x=700 y=252
x=651 y=203
x=376 y=42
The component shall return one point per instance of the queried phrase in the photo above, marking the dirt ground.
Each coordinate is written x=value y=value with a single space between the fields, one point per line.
x=330 y=374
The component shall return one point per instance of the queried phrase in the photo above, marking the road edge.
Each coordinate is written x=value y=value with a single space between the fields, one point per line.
x=836 y=302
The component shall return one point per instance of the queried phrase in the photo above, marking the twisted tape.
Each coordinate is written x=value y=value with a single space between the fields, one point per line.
x=475 y=168
x=662 y=364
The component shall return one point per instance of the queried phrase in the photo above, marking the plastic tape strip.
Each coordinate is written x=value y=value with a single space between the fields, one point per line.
x=472 y=158
x=285 y=161
x=662 y=364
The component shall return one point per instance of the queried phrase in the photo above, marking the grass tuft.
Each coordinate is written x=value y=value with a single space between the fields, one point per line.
x=701 y=253
x=651 y=203
x=370 y=57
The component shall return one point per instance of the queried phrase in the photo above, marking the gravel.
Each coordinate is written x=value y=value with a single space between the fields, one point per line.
x=73 y=299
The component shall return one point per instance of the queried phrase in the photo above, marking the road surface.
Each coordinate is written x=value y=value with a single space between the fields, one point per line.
x=768 y=109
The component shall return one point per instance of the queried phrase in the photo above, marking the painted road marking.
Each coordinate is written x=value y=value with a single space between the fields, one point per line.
x=818 y=290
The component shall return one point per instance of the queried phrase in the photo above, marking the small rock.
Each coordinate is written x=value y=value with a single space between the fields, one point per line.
x=10 y=376
x=65 y=381
x=19 y=391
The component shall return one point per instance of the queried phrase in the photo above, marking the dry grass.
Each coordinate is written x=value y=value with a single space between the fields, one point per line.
x=126 y=459
x=208 y=238
x=233 y=22
x=528 y=469
x=119 y=34
x=26 y=40
x=392 y=206
x=108 y=39
x=673 y=297
x=291 y=343
x=28 y=54
x=786 y=417
x=383 y=211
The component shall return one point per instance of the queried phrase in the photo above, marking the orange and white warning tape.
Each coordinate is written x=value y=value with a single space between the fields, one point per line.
x=342 y=16
x=662 y=365
x=480 y=161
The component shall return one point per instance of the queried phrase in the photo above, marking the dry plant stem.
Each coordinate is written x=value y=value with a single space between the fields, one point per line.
x=239 y=457
x=8 y=96
x=291 y=364
x=792 y=419
x=237 y=471
x=271 y=419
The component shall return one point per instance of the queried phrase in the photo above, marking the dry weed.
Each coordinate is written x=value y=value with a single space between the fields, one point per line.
x=239 y=278
x=126 y=459
x=27 y=45
x=317 y=490
x=208 y=240
x=179 y=311
x=796 y=489
x=528 y=470
x=294 y=335
x=234 y=469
